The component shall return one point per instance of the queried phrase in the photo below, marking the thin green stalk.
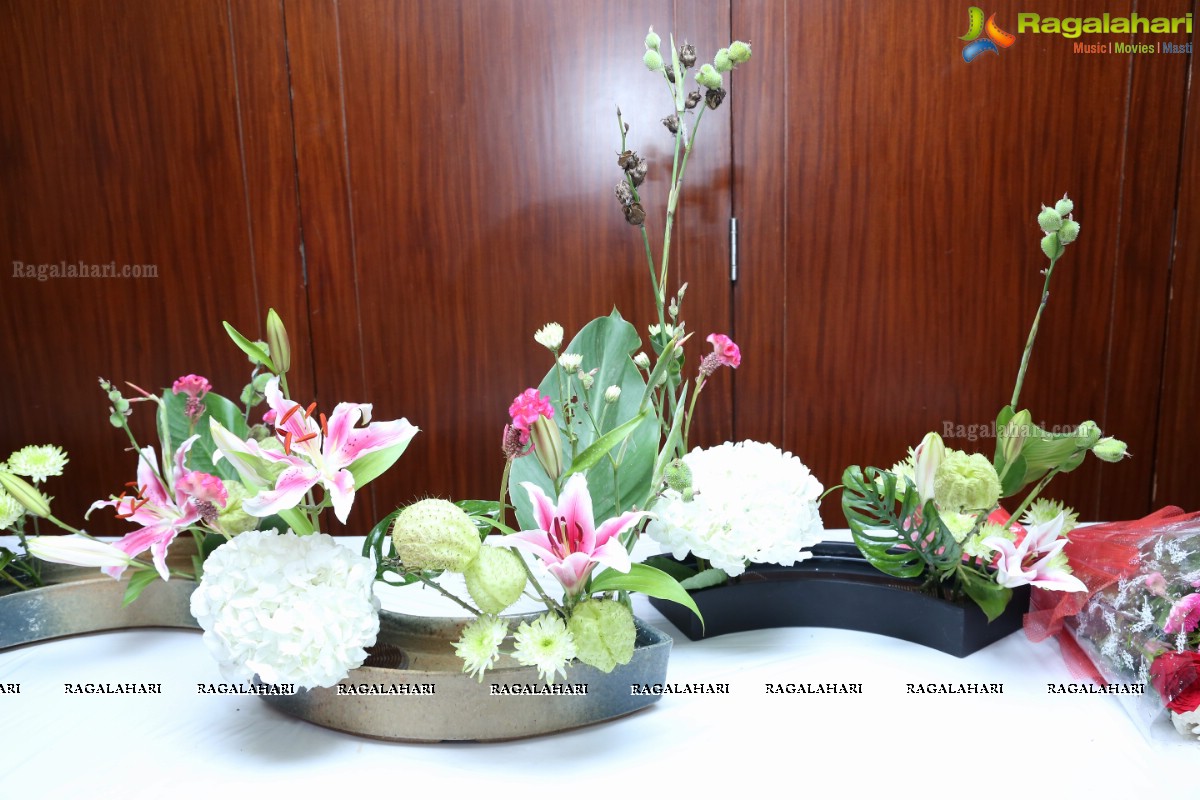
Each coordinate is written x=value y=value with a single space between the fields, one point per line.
x=504 y=490
x=449 y=595
x=1031 y=497
x=1037 y=319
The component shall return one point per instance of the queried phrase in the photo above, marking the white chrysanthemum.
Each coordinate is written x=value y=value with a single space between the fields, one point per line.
x=752 y=502
x=38 y=462
x=10 y=510
x=1188 y=724
x=550 y=336
x=291 y=609
x=571 y=362
x=479 y=646
x=641 y=361
x=546 y=644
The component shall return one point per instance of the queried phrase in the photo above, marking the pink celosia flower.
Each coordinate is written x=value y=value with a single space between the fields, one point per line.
x=1184 y=616
x=163 y=510
x=1037 y=559
x=567 y=539
x=725 y=350
x=195 y=387
x=313 y=452
x=525 y=410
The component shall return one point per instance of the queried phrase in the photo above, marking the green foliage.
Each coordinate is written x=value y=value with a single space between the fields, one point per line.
x=606 y=344
x=991 y=597
x=175 y=427
x=704 y=579
x=256 y=353
x=378 y=547
x=137 y=583
x=647 y=580
x=1041 y=453
x=870 y=504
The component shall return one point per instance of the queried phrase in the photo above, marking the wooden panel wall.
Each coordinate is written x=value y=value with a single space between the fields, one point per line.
x=890 y=233
x=135 y=133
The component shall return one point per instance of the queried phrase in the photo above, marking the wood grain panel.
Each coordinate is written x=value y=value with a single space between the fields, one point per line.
x=1178 y=433
x=133 y=154
x=905 y=269
x=456 y=168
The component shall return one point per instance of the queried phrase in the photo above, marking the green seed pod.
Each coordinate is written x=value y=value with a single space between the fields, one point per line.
x=1064 y=206
x=435 y=534
x=1049 y=220
x=722 y=60
x=1110 y=449
x=1087 y=434
x=653 y=40
x=603 y=632
x=653 y=60
x=740 y=52
x=495 y=579
x=1051 y=246
x=678 y=475
x=1069 y=231
x=708 y=77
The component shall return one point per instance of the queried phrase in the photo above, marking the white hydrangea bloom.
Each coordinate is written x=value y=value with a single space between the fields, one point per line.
x=291 y=609
x=752 y=502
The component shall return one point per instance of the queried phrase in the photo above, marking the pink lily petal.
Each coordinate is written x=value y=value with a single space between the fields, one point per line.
x=532 y=542
x=289 y=491
x=152 y=488
x=155 y=538
x=612 y=554
x=572 y=572
x=575 y=508
x=618 y=525
x=543 y=509
x=341 y=490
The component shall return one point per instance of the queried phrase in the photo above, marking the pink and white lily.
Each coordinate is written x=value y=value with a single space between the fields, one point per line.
x=567 y=539
x=1036 y=560
x=162 y=509
x=331 y=452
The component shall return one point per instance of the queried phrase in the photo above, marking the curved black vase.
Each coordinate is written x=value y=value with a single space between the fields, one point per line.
x=837 y=588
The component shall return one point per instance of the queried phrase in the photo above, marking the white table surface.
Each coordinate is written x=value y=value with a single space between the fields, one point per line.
x=1023 y=743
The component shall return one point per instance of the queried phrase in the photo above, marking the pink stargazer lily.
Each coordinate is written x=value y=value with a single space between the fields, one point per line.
x=314 y=452
x=1044 y=543
x=567 y=539
x=162 y=510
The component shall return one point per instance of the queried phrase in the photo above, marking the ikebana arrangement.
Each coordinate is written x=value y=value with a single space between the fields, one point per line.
x=937 y=516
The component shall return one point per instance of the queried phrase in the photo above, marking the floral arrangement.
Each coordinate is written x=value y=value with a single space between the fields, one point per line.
x=937 y=515
x=32 y=463
x=292 y=606
x=1137 y=629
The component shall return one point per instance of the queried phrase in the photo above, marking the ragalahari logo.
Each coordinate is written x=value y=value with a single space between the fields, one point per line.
x=993 y=37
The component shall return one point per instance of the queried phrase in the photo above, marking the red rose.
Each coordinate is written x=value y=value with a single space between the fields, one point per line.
x=1176 y=677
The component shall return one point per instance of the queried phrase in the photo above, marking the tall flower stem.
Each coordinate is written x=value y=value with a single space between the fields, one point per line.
x=1037 y=320
x=1032 y=496
x=449 y=595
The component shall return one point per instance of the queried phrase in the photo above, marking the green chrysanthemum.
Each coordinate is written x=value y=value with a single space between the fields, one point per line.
x=38 y=462
x=10 y=510
x=966 y=483
x=546 y=644
x=479 y=646
x=1044 y=510
x=974 y=546
x=603 y=632
x=958 y=524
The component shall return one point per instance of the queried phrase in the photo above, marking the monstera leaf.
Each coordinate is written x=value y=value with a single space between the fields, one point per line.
x=884 y=526
x=607 y=345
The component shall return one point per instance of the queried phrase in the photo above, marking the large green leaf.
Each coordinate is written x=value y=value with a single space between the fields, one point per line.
x=607 y=345
x=991 y=597
x=647 y=580
x=883 y=525
x=1042 y=452
x=174 y=420
x=372 y=465
x=256 y=353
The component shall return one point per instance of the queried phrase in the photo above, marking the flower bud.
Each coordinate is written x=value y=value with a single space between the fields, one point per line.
x=641 y=361
x=1064 y=206
x=603 y=632
x=1110 y=450
x=1014 y=435
x=1051 y=246
x=722 y=61
x=1049 y=220
x=495 y=579
x=435 y=534
x=1087 y=434
x=740 y=52
x=653 y=60
x=927 y=459
x=653 y=40
x=586 y=379
x=1069 y=231
x=612 y=394
x=78 y=551
x=30 y=498
x=570 y=361
x=708 y=77
x=550 y=335
x=278 y=343
x=687 y=55
x=547 y=446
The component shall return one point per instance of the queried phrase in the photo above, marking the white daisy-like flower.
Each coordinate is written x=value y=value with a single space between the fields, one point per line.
x=550 y=336
x=655 y=329
x=1044 y=510
x=291 y=609
x=10 y=510
x=612 y=394
x=752 y=503
x=479 y=646
x=38 y=462
x=546 y=644
x=571 y=362
x=641 y=361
